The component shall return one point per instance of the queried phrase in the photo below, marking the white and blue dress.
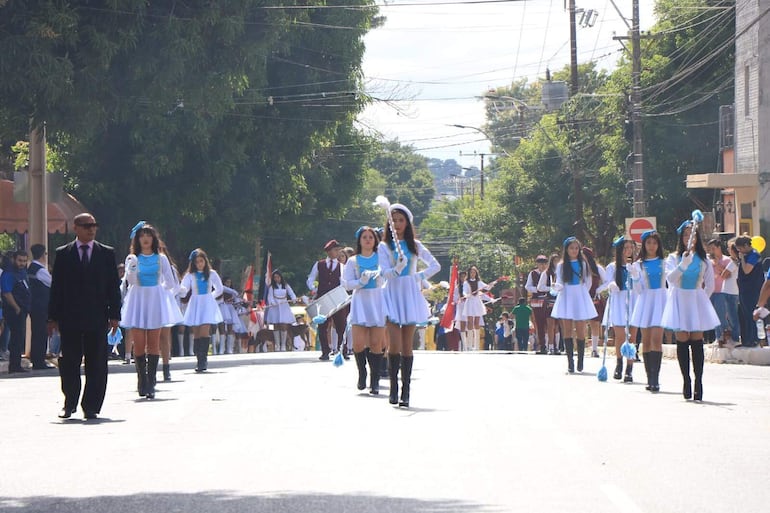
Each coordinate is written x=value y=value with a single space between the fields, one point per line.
x=621 y=302
x=278 y=309
x=229 y=314
x=573 y=301
x=688 y=307
x=367 y=304
x=652 y=294
x=202 y=307
x=404 y=302
x=149 y=303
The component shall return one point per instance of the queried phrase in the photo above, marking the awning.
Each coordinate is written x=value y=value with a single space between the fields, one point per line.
x=722 y=180
x=14 y=217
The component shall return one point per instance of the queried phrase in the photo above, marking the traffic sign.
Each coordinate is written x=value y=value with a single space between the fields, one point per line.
x=636 y=226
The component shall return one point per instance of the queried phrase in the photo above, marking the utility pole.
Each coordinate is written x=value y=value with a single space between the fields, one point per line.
x=38 y=197
x=640 y=198
x=482 y=175
x=640 y=202
x=577 y=181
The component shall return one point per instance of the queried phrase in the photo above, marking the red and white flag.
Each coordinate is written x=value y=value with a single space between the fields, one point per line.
x=447 y=321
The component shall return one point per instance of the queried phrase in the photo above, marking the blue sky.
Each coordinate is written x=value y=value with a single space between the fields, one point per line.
x=432 y=60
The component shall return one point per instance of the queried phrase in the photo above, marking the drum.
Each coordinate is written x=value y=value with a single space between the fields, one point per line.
x=330 y=303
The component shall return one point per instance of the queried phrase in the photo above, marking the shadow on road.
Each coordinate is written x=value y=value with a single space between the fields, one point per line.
x=224 y=502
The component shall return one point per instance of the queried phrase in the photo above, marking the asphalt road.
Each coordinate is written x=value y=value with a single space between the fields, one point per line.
x=486 y=432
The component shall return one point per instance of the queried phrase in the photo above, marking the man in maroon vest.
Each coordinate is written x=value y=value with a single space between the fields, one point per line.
x=326 y=272
x=537 y=301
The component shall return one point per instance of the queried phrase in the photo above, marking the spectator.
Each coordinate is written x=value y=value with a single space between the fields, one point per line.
x=725 y=295
x=40 y=287
x=17 y=299
x=522 y=314
x=750 y=282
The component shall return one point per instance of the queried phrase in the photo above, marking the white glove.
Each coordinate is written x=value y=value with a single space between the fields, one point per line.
x=365 y=277
x=401 y=264
x=686 y=260
x=613 y=287
x=761 y=313
x=556 y=288
x=132 y=263
x=634 y=272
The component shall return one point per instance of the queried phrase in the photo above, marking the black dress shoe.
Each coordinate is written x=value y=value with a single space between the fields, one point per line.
x=43 y=366
x=66 y=413
x=90 y=415
x=324 y=357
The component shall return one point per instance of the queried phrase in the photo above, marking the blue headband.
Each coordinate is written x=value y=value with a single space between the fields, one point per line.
x=360 y=229
x=617 y=242
x=647 y=234
x=193 y=255
x=682 y=226
x=569 y=240
x=136 y=228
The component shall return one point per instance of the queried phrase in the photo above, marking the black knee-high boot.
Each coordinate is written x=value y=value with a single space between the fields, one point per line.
x=205 y=342
x=361 y=364
x=406 y=379
x=698 y=360
x=383 y=366
x=152 y=371
x=581 y=350
x=167 y=372
x=394 y=361
x=569 y=347
x=198 y=356
x=375 y=362
x=618 y=374
x=141 y=374
x=657 y=360
x=683 y=356
x=648 y=369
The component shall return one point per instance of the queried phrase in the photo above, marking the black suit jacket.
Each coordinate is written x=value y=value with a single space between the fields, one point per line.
x=84 y=298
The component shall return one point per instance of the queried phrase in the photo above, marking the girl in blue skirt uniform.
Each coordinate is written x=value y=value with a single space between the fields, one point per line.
x=361 y=274
x=405 y=306
x=148 y=306
x=688 y=311
x=202 y=309
x=649 y=278
x=573 y=306
x=622 y=300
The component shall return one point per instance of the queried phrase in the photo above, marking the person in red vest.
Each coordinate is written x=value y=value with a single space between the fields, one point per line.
x=323 y=277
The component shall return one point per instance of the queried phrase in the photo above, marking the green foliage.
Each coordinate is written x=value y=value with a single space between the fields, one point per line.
x=7 y=242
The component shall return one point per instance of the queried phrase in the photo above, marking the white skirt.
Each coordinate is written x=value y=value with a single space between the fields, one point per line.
x=689 y=310
x=149 y=308
x=617 y=314
x=474 y=307
x=460 y=311
x=202 y=309
x=574 y=303
x=231 y=318
x=367 y=308
x=279 y=314
x=648 y=311
x=404 y=304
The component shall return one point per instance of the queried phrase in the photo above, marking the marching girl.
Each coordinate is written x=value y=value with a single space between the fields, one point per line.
x=405 y=306
x=148 y=306
x=621 y=303
x=597 y=280
x=231 y=322
x=279 y=293
x=459 y=301
x=165 y=333
x=547 y=279
x=573 y=306
x=202 y=311
x=649 y=280
x=474 y=308
x=688 y=311
x=367 y=308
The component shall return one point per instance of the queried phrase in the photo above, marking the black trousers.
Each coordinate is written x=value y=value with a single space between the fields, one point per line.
x=76 y=344
x=340 y=320
x=39 y=338
x=17 y=324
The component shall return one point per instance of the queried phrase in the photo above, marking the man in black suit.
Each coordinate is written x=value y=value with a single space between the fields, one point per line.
x=85 y=300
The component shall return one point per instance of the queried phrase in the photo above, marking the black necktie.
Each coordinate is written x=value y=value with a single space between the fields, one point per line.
x=84 y=255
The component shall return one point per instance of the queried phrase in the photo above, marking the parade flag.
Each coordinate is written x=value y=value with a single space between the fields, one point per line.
x=449 y=313
x=248 y=284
